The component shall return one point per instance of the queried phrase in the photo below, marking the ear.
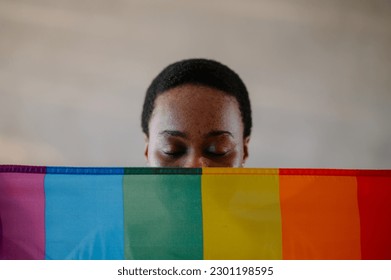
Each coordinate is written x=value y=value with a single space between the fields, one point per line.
x=245 y=148
x=146 y=140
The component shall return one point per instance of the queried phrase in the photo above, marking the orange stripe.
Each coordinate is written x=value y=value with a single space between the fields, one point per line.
x=320 y=218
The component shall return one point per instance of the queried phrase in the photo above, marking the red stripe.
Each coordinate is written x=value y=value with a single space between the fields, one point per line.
x=374 y=201
x=334 y=172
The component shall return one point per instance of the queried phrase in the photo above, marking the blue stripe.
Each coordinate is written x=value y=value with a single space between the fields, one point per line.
x=85 y=170
x=84 y=215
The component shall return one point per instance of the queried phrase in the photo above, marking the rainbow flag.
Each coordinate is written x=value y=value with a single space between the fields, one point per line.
x=209 y=213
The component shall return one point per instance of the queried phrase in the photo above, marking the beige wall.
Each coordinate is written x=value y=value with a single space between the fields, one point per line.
x=73 y=76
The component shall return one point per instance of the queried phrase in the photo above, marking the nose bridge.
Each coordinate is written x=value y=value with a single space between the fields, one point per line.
x=196 y=160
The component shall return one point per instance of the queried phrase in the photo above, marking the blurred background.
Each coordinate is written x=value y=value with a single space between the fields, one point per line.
x=73 y=74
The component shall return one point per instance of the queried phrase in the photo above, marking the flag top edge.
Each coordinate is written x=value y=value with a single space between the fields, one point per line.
x=192 y=171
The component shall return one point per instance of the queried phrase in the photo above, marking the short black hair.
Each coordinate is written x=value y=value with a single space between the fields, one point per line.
x=198 y=71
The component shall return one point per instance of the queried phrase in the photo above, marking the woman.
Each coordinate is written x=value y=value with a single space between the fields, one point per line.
x=197 y=113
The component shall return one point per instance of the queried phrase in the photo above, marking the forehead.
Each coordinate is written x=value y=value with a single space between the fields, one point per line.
x=196 y=109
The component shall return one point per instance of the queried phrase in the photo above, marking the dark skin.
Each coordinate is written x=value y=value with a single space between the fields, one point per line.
x=196 y=126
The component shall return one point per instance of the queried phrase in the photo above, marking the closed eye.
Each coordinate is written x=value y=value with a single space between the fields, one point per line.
x=217 y=154
x=174 y=154
x=217 y=150
x=214 y=153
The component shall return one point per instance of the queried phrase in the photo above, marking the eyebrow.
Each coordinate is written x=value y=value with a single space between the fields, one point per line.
x=218 y=133
x=181 y=134
x=175 y=133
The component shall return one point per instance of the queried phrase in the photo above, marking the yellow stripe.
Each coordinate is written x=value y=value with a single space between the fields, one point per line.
x=241 y=214
x=242 y=171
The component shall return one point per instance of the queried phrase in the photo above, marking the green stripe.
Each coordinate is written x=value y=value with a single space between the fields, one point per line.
x=162 y=170
x=163 y=217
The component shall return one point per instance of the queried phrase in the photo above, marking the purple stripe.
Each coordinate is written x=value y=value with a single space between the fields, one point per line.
x=22 y=169
x=22 y=216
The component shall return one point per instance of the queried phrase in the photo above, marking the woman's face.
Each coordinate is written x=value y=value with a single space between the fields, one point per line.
x=196 y=126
